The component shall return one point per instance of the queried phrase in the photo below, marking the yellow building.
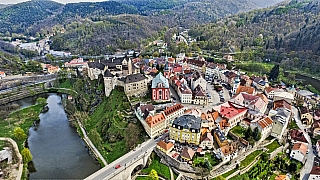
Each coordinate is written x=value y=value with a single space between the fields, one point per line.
x=165 y=147
x=219 y=137
x=186 y=129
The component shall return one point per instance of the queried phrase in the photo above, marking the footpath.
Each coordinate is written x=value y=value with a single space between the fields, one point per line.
x=16 y=150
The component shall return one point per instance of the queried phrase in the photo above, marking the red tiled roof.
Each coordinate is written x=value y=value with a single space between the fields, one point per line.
x=156 y=119
x=269 y=89
x=265 y=122
x=298 y=135
x=249 y=90
x=230 y=111
x=315 y=170
x=173 y=109
x=301 y=147
x=165 y=146
x=280 y=104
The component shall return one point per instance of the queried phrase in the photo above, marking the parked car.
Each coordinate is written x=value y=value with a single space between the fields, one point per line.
x=117 y=166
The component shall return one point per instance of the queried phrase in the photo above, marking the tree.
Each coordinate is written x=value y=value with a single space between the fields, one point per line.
x=132 y=136
x=292 y=167
x=153 y=175
x=95 y=137
x=156 y=54
x=26 y=155
x=256 y=134
x=274 y=73
x=19 y=133
x=41 y=101
x=248 y=133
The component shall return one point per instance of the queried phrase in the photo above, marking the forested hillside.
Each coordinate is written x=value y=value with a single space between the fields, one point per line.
x=17 y=18
x=107 y=35
x=288 y=34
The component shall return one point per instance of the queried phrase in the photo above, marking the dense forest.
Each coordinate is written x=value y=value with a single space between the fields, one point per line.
x=288 y=34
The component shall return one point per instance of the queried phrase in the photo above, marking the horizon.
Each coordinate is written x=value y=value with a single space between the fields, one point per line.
x=7 y=2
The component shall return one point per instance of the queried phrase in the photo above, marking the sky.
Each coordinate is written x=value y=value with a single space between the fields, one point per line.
x=60 y=1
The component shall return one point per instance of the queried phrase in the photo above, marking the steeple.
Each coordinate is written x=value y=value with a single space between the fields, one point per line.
x=166 y=67
x=129 y=66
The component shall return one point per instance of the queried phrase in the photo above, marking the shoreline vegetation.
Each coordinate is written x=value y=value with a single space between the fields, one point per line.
x=24 y=119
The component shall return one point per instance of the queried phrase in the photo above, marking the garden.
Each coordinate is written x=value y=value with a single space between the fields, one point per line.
x=269 y=169
x=162 y=169
x=273 y=146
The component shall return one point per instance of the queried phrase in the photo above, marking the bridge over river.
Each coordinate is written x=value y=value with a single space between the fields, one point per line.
x=135 y=159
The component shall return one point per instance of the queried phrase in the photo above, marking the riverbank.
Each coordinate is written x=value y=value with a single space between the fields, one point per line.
x=24 y=119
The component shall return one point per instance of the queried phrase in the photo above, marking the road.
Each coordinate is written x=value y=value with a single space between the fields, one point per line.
x=26 y=85
x=124 y=160
x=304 y=174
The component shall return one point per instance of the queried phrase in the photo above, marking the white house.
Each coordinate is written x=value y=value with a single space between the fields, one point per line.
x=264 y=125
x=314 y=173
x=206 y=141
x=280 y=118
x=283 y=96
x=299 y=151
x=2 y=74
x=228 y=152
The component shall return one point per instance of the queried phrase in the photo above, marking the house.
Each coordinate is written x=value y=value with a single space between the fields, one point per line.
x=260 y=82
x=283 y=96
x=135 y=84
x=186 y=129
x=233 y=114
x=282 y=177
x=217 y=119
x=219 y=137
x=304 y=95
x=264 y=126
x=314 y=173
x=315 y=128
x=228 y=152
x=281 y=104
x=165 y=147
x=246 y=89
x=299 y=151
x=193 y=111
x=199 y=96
x=197 y=80
x=280 y=117
x=187 y=154
x=206 y=140
x=318 y=148
x=95 y=69
x=160 y=88
x=2 y=74
x=156 y=124
x=173 y=112
x=250 y=102
x=269 y=91
x=305 y=115
x=297 y=136
x=6 y=154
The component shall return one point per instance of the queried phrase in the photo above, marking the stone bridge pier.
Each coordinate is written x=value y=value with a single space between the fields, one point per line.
x=127 y=165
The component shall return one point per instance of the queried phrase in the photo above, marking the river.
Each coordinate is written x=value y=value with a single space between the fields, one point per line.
x=58 y=151
x=309 y=80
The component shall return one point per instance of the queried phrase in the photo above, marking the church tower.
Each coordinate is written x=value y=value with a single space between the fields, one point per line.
x=129 y=66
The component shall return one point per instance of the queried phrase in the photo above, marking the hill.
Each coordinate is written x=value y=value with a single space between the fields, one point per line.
x=288 y=34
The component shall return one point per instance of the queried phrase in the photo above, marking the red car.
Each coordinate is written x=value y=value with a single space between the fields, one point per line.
x=118 y=166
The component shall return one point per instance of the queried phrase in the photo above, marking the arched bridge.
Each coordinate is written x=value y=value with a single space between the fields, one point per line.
x=127 y=165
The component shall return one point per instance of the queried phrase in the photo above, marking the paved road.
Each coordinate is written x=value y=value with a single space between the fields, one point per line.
x=124 y=161
x=304 y=174
x=26 y=85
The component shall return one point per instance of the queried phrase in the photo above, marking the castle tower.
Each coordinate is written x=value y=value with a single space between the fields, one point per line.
x=129 y=66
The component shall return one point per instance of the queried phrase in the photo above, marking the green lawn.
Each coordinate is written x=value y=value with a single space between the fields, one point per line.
x=27 y=116
x=250 y=158
x=293 y=125
x=159 y=167
x=273 y=146
x=143 y=178
x=225 y=175
x=66 y=84
x=238 y=130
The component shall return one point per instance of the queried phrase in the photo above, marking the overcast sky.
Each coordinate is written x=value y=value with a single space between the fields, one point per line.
x=60 y=1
